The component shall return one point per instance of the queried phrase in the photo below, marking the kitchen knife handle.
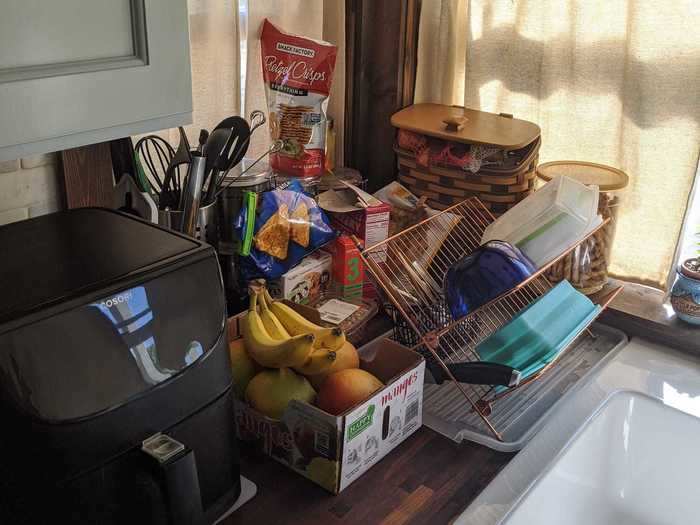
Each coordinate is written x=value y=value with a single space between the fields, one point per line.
x=479 y=373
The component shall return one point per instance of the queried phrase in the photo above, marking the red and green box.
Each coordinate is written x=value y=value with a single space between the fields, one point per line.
x=348 y=269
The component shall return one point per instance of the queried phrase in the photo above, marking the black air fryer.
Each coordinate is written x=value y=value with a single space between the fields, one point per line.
x=115 y=380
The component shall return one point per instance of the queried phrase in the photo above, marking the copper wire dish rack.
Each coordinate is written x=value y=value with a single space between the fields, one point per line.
x=410 y=267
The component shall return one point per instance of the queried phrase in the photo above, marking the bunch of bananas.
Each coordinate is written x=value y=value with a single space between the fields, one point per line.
x=280 y=352
x=278 y=337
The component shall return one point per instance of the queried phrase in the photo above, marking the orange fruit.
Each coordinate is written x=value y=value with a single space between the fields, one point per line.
x=345 y=358
x=345 y=389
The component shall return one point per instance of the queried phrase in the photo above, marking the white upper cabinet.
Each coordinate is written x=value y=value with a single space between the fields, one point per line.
x=76 y=72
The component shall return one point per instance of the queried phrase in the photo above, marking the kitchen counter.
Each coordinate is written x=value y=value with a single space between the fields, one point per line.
x=426 y=479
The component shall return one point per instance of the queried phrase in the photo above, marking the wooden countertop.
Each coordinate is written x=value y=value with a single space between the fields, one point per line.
x=426 y=479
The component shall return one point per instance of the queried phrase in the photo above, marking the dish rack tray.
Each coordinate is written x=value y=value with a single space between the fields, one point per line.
x=410 y=268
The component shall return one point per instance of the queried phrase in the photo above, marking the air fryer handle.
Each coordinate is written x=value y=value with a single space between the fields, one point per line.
x=181 y=486
x=174 y=467
x=480 y=373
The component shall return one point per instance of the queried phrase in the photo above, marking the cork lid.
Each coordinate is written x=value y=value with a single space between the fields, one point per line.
x=468 y=126
x=605 y=177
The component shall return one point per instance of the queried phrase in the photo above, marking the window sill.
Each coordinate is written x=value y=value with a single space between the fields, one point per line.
x=640 y=311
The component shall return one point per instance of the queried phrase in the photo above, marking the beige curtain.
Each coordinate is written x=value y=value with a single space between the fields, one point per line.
x=215 y=57
x=609 y=81
x=318 y=19
x=215 y=60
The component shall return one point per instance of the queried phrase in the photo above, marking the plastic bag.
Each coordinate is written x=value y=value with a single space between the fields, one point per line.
x=297 y=72
x=406 y=209
x=288 y=225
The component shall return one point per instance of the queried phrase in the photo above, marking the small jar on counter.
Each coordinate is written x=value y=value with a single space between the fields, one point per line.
x=586 y=267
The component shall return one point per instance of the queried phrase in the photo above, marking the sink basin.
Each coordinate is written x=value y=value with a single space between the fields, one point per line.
x=634 y=462
x=621 y=449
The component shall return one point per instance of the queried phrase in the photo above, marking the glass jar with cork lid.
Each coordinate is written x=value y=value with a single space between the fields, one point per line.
x=586 y=267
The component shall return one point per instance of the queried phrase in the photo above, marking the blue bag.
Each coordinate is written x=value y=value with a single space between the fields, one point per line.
x=260 y=263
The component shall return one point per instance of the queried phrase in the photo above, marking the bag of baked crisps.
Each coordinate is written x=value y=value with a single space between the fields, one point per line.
x=297 y=72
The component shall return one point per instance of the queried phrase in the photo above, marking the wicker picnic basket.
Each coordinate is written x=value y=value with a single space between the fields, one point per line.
x=449 y=153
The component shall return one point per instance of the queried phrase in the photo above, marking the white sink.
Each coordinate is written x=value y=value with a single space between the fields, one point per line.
x=625 y=467
x=623 y=450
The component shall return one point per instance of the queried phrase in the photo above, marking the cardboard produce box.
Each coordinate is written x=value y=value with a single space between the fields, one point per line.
x=333 y=451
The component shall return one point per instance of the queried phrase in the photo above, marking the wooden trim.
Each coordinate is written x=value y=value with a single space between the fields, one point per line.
x=380 y=49
x=642 y=311
x=352 y=31
x=408 y=51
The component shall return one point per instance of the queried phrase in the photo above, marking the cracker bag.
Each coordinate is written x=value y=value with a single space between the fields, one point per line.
x=286 y=226
x=297 y=72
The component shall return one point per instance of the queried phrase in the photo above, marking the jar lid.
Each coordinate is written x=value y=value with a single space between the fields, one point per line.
x=606 y=178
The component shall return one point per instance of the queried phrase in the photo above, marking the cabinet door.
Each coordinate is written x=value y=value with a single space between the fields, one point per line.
x=75 y=72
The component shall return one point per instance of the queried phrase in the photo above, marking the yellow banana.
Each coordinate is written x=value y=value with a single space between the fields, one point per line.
x=272 y=324
x=318 y=362
x=294 y=322
x=297 y=324
x=269 y=352
x=331 y=338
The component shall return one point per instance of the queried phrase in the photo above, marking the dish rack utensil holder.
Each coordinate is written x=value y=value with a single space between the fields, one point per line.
x=410 y=268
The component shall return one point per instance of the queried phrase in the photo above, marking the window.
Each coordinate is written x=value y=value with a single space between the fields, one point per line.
x=689 y=243
x=615 y=83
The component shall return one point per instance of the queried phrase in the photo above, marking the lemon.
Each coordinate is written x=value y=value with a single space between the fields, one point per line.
x=270 y=391
x=324 y=472
x=242 y=367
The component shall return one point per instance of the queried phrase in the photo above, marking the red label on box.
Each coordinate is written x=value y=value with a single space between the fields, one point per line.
x=371 y=225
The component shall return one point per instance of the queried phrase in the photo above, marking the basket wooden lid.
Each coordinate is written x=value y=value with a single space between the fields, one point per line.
x=466 y=125
x=589 y=173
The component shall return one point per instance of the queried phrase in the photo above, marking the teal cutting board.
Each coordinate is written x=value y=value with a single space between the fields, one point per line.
x=534 y=338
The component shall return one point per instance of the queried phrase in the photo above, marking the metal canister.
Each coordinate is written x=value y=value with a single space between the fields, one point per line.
x=257 y=180
x=207 y=228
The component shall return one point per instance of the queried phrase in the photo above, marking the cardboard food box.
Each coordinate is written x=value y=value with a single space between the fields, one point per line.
x=348 y=268
x=370 y=225
x=333 y=451
x=306 y=281
x=356 y=212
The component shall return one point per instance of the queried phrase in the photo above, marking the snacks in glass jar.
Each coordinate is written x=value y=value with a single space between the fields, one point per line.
x=586 y=267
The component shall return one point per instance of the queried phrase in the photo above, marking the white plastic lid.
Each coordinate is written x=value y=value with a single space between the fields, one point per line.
x=549 y=221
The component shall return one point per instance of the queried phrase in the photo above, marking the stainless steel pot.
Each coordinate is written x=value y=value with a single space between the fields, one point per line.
x=230 y=201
